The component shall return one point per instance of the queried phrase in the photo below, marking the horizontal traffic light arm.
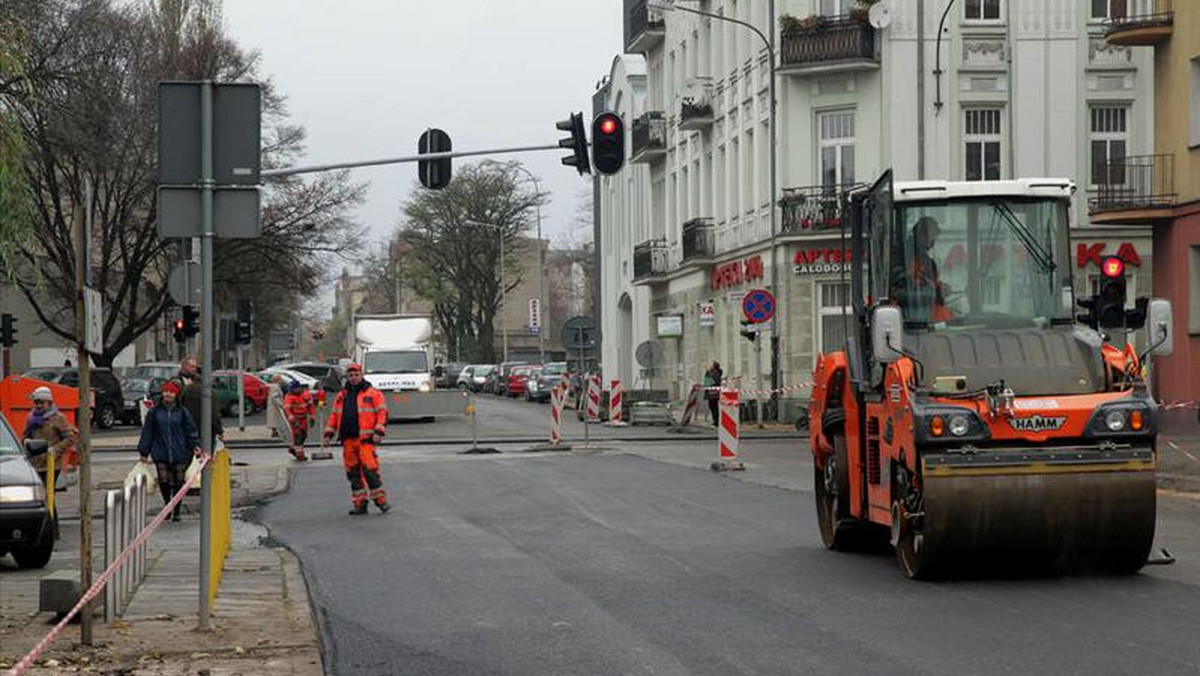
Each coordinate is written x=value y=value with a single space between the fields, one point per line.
x=291 y=171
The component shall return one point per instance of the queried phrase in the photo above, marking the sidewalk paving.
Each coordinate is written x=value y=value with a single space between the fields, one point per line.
x=261 y=623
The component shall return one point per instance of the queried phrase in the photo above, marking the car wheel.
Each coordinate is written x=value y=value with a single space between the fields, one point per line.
x=106 y=418
x=248 y=407
x=36 y=556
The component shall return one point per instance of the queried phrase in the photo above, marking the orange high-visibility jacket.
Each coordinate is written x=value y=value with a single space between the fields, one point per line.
x=299 y=406
x=372 y=413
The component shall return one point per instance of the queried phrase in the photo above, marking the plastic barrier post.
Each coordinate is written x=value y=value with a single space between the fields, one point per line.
x=729 y=433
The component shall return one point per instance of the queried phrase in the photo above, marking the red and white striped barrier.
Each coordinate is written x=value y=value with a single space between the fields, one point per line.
x=593 y=398
x=27 y=661
x=730 y=429
x=690 y=405
x=558 y=396
x=616 y=415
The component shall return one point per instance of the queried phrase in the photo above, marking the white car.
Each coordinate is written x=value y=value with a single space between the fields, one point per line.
x=307 y=381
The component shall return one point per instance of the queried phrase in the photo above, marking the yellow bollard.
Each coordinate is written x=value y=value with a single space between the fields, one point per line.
x=221 y=519
x=50 y=482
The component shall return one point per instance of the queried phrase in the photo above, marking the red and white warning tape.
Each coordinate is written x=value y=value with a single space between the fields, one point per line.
x=98 y=586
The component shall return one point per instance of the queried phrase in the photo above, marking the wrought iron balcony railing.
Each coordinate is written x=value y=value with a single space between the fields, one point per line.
x=827 y=43
x=699 y=240
x=650 y=259
x=1135 y=182
x=817 y=207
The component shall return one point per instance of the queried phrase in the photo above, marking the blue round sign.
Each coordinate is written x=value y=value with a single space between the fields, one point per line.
x=758 y=305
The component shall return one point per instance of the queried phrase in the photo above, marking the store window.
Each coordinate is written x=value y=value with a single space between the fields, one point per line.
x=836 y=144
x=981 y=10
x=983 y=144
x=1109 y=141
x=837 y=7
x=834 y=302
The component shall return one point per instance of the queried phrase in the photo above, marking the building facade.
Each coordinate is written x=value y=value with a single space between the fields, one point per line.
x=931 y=89
x=1164 y=187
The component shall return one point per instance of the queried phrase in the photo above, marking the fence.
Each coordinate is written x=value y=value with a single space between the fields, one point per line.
x=124 y=519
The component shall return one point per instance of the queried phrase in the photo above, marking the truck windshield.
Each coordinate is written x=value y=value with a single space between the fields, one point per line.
x=981 y=263
x=406 y=361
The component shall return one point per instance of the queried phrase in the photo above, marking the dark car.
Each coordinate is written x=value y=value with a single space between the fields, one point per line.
x=134 y=390
x=445 y=375
x=109 y=401
x=550 y=375
x=27 y=529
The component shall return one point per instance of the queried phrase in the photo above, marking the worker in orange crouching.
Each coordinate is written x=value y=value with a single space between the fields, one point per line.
x=358 y=420
x=301 y=411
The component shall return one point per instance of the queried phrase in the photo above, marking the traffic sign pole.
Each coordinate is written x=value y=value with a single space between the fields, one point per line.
x=758 y=306
x=206 y=340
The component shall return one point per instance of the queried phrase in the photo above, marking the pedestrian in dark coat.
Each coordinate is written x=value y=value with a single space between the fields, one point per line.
x=712 y=391
x=171 y=439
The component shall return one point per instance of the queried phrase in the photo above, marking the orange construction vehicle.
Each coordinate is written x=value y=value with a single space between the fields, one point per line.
x=972 y=414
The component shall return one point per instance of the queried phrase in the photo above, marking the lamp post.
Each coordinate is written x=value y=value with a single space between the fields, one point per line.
x=503 y=291
x=780 y=305
x=541 y=255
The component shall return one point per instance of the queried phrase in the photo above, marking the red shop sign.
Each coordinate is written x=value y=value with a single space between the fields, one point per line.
x=1094 y=254
x=815 y=260
x=736 y=273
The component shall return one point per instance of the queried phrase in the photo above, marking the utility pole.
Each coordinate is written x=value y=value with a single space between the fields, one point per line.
x=206 y=341
x=83 y=417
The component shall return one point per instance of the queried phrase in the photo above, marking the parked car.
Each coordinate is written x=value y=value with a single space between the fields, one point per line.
x=289 y=375
x=538 y=389
x=134 y=390
x=256 y=391
x=153 y=369
x=27 y=529
x=320 y=372
x=109 y=401
x=445 y=375
x=475 y=378
x=518 y=378
x=505 y=370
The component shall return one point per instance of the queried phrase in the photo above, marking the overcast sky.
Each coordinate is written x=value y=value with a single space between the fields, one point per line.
x=366 y=77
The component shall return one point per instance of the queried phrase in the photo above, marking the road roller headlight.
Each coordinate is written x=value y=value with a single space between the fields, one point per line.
x=959 y=425
x=1115 y=420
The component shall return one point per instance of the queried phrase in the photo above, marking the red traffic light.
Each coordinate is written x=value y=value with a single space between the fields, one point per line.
x=1113 y=267
x=178 y=324
x=608 y=125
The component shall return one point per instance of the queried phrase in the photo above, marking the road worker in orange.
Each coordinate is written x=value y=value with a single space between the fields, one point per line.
x=301 y=412
x=359 y=420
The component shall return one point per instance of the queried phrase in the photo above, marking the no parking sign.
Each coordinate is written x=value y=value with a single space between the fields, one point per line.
x=758 y=305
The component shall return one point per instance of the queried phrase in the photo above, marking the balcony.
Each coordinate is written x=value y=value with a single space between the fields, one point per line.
x=814 y=208
x=1137 y=189
x=650 y=261
x=1136 y=23
x=644 y=28
x=827 y=45
x=696 y=109
x=649 y=138
x=699 y=241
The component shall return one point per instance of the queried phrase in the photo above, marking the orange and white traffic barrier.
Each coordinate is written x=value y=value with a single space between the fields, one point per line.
x=558 y=396
x=690 y=405
x=729 y=433
x=593 y=398
x=616 y=393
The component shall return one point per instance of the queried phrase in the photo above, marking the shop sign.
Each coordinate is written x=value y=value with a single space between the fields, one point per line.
x=708 y=314
x=670 y=326
x=1094 y=253
x=817 y=260
x=736 y=273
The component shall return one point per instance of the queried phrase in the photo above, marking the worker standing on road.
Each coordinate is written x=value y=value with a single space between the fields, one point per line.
x=358 y=419
x=301 y=412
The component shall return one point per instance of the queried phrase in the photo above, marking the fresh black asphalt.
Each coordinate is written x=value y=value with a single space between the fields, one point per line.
x=615 y=564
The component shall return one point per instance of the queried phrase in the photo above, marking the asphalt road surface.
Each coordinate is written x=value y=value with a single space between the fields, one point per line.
x=614 y=563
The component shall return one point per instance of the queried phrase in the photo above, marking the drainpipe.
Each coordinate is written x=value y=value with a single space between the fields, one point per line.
x=921 y=90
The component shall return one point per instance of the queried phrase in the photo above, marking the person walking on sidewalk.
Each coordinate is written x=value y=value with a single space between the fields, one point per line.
x=170 y=438
x=359 y=420
x=188 y=381
x=712 y=391
x=301 y=412
x=46 y=422
x=276 y=413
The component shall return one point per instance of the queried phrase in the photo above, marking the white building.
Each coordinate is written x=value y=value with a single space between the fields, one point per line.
x=1005 y=88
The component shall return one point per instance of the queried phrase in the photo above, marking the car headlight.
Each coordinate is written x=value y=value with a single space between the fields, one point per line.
x=959 y=425
x=1115 y=420
x=33 y=493
x=425 y=387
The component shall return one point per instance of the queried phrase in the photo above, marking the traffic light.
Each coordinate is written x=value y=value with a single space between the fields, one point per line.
x=8 y=330
x=577 y=143
x=608 y=143
x=179 y=335
x=434 y=174
x=1109 y=306
x=748 y=331
x=191 y=321
x=242 y=333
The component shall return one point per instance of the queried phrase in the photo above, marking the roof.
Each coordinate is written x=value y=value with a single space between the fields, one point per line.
x=910 y=191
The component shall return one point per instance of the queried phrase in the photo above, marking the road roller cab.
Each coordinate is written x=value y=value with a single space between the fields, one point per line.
x=972 y=412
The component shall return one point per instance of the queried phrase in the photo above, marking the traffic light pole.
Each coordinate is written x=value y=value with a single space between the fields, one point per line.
x=206 y=340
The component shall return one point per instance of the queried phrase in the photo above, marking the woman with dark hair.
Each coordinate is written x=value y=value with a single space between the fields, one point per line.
x=170 y=438
x=712 y=391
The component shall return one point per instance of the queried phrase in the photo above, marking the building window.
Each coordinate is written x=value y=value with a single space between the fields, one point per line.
x=834 y=300
x=1109 y=142
x=983 y=142
x=836 y=144
x=1194 y=105
x=982 y=10
x=837 y=7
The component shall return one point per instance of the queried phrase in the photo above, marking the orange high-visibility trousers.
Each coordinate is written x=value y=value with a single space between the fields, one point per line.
x=362 y=469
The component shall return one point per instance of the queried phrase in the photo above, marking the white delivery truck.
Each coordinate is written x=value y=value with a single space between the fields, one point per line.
x=396 y=352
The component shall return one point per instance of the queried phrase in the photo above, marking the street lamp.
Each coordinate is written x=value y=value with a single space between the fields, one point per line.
x=769 y=43
x=541 y=255
x=503 y=291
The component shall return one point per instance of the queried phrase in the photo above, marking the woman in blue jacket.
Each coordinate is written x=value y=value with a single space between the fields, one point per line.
x=170 y=437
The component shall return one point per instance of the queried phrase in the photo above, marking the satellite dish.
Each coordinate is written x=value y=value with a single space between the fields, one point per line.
x=649 y=354
x=880 y=15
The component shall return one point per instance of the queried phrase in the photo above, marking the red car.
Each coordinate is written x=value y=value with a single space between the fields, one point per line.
x=256 y=390
x=518 y=378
